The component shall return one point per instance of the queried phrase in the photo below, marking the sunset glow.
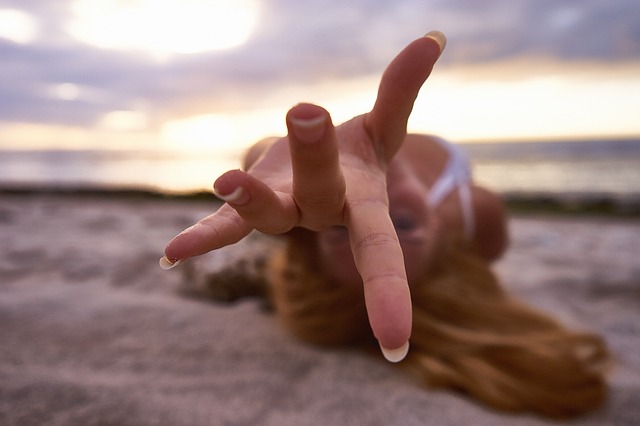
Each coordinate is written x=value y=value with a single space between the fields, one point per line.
x=202 y=132
x=453 y=105
x=164 y=27
x=558 y=104
x=223 y=133
x=218 y=75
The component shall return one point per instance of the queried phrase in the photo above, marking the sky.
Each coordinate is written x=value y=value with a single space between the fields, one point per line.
x=218 y=75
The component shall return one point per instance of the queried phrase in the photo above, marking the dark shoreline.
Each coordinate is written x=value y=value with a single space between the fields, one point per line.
x=517 y=202
x=574 y=204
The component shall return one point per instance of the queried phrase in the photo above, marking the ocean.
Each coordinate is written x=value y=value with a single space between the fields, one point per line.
x=598 y=168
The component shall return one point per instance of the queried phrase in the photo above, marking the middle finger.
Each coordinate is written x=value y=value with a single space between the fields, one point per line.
x=318 y=182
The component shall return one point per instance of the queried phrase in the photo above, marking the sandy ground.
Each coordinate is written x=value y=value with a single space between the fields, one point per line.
x=93 y=332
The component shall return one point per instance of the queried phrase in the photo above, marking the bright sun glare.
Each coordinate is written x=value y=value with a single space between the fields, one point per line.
x=163 y=27
x=222 y=133
x=199 y=132
x=17 y=26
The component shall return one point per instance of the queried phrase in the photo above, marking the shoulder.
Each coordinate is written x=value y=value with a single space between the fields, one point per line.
x=491 y=233
x=425 y=153
x=423 y=141
x=430 y=148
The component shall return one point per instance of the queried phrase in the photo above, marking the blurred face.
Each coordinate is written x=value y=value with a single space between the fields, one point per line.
x=415 y=225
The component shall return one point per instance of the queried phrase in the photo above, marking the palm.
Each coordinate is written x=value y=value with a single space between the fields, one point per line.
x=362 y=172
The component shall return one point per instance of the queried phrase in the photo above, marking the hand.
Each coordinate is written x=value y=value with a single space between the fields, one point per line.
x=320 y=176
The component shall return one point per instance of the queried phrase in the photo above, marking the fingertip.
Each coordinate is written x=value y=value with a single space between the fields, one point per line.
x=390 y=316
x=167 y=263
x=174 y=252
x=393 y=338
x=439 y=38
x=308 y=130
x=307 y=123
x=237 y=196
x=230 y=188
x=306 y=111
x=395 y=355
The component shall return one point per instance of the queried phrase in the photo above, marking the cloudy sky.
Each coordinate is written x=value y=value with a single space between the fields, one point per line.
x=209 y=74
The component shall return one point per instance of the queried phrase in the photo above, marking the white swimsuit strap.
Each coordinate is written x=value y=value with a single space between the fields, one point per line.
x=456 y=175
x=468 y=214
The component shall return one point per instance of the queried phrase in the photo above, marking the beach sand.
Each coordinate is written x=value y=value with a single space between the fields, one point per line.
x=92 y=331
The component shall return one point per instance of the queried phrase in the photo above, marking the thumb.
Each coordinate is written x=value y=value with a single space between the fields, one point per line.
x=399 y=88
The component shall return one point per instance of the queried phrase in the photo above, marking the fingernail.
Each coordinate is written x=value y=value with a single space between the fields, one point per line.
x=308 y=130
x=395 y=355
x=238 y=196
x=166 y=263
x=438 y=37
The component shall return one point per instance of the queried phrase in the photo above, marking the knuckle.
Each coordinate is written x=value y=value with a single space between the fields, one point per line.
x=320 y=210
x=382 y=278
x=320 y=201
x=270 y=224
x=375 y=240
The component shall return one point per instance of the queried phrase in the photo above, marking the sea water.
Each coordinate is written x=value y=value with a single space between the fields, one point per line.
x=603 y=167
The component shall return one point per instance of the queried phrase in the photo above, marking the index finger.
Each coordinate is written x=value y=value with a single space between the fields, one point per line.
x=378 y=257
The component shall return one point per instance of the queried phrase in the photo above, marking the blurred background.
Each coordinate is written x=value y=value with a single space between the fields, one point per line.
x=165 y=95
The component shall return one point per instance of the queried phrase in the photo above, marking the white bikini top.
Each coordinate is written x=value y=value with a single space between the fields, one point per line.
x=456 y=175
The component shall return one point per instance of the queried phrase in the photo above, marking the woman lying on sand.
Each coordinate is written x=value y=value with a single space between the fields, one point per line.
x=388 y=239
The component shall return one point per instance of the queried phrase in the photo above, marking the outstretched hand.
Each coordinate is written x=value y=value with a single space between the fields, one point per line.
x=320 y=176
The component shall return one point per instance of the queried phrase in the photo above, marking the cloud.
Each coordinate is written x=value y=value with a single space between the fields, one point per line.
x=296 y=43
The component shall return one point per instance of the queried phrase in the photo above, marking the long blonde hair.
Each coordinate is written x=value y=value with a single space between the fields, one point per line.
x=468 y=334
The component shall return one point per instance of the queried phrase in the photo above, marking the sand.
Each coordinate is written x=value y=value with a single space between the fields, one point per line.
x=93 y=332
